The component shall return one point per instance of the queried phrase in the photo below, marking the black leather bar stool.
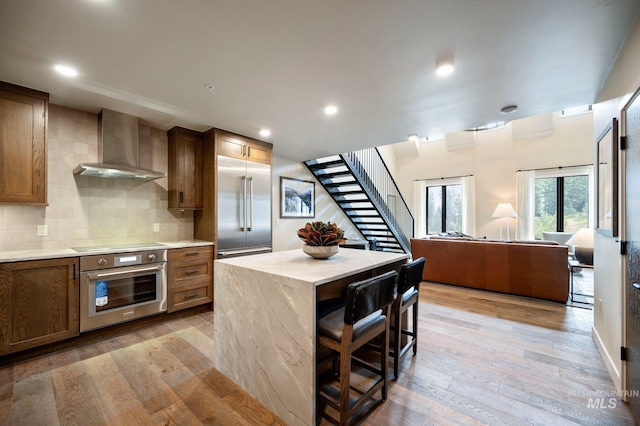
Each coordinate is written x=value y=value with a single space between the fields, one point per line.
x=408 y=292
x=364 y=317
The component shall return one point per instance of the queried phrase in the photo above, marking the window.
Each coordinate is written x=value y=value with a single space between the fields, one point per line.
x=562 y=204
x=445 y=219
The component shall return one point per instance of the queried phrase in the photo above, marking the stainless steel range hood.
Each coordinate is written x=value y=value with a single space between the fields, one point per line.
x=117 y=150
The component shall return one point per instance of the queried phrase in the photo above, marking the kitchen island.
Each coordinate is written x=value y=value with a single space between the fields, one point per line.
x=265 y=321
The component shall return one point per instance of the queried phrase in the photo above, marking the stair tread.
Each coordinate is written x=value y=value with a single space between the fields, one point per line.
x=344 y=187
x=326 y=165
x=339 y=184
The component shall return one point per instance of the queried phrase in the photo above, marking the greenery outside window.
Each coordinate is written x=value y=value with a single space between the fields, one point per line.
x=561 y=204
x=444 y=208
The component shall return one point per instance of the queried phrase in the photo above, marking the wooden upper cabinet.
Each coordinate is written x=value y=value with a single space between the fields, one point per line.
x=185 y=169
x=237 y=146
x=258 y=153
x=23 y=145
x=231 y=145
x=39 y=303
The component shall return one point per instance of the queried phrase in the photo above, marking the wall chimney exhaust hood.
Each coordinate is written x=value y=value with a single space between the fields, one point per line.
x=117 y=150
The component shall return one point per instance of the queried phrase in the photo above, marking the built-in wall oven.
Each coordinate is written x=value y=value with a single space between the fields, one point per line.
x=119 y=287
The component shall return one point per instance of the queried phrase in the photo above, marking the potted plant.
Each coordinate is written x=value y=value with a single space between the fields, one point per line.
x=321 y=239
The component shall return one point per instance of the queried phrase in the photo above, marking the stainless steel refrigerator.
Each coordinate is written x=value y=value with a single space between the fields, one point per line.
x=243 y=206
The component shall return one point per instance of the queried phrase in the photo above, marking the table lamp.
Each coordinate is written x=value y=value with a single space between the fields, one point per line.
x=583 y=242
x=504 y=210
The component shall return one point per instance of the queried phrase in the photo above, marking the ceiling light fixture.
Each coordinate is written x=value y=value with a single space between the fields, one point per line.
x=66 y=70
x=265 y=133
x=509 y=109
x=209 y=87
x=331 y=110
x=413 y=137
x=444 y=67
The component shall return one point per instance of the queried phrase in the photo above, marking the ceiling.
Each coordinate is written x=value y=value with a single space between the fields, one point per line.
x=276 y=64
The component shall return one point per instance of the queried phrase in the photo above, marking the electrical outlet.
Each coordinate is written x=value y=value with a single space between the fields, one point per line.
x=43 y=230
x=156 y=227
x=599 y=305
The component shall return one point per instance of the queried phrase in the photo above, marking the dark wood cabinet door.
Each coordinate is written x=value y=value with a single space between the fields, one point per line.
x=39 y=303
x=185 y=169
x=23 y=145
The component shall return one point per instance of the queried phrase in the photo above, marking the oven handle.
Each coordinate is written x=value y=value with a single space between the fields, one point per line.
x=94 y=275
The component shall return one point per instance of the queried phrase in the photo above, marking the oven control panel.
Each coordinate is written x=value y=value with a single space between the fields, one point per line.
x=117 y=260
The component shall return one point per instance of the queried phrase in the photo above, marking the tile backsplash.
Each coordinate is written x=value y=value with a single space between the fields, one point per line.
x=86 y=211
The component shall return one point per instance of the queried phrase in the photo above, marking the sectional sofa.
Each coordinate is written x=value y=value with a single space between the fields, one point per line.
x=524 y=268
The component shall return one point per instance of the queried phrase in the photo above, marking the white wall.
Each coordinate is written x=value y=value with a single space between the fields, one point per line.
x=387 y=154
x=609 y=272
x=494 y=160
x=284 y=229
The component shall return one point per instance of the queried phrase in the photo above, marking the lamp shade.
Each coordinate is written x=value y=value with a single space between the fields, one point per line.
x=583 y=238
x=504 y=210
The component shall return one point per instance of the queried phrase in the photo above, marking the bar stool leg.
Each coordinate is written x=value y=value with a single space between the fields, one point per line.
x=345 y=376
x=415 y=327
x=397 y=339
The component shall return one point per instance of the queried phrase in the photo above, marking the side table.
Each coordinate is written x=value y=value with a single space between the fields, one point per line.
x=573 y=265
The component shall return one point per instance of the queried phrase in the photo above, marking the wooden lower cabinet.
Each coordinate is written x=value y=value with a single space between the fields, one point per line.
x=38 y=303
x=189 y=277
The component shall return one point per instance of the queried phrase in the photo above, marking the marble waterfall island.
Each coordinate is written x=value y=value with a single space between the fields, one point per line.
x=265 y=321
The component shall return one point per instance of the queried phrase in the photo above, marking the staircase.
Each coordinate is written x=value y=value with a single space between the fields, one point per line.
x=360 y=183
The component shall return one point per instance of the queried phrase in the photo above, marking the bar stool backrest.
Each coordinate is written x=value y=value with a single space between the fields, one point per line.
x=367 y=296
x=410 y=275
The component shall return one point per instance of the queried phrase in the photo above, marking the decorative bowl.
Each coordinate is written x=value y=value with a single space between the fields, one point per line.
x=320 y=252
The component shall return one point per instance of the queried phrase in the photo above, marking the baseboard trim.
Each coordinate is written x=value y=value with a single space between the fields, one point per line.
x=609 y=362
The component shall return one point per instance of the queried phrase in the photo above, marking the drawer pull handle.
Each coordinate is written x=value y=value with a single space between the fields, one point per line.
x=191 y=296
x=191 y=272
x=192 y=253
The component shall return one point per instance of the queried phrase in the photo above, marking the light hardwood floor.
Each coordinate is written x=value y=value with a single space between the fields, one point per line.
x=483 y=358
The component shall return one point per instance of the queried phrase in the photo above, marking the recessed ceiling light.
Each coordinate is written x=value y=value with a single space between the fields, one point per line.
x=66 y=70
x=444 y=67
x=331 y=110
x=265 y=133
x=413 y=137
x=509 y=109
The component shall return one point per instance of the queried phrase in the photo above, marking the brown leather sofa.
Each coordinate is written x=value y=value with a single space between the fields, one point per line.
x=522 y=268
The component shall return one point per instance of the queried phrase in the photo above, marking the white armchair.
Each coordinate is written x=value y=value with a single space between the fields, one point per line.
x=561 y=238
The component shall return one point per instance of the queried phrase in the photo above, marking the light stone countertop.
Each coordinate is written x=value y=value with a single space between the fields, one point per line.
x=41 y=254
x=297 y=265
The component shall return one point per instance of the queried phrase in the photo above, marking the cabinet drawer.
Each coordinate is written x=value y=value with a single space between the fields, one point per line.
x=191 y=254
x=189 y=295
x=179 y=274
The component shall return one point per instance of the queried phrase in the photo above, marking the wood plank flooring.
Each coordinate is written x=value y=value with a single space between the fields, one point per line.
x=483 y=358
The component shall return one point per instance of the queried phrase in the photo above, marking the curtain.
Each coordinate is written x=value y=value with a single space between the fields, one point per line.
x=419 y=208
x=525 y=204
x=468 y=205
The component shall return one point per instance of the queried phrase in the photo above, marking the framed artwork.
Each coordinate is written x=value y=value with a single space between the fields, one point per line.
x=297 y=198
x=607 y=162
